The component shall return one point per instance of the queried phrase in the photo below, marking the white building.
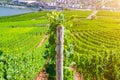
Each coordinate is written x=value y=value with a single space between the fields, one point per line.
x=25 y=1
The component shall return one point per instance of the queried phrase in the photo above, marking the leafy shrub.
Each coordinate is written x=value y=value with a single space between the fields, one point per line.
x=68 y=74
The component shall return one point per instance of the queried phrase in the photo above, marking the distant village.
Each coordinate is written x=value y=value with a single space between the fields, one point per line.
x=60 y=4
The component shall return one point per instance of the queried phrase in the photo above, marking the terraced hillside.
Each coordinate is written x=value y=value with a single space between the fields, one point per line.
x=97 y=44
x=19 y=37
x=20 y=40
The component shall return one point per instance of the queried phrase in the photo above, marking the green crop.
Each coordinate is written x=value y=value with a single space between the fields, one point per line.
x=97 y=45
x=76 y=13
x=22 y=66
x=24 y=17
x=19 y=40
x=93 y=45
x=20 y=59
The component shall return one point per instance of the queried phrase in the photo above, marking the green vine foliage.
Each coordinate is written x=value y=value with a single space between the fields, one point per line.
x=57 y=18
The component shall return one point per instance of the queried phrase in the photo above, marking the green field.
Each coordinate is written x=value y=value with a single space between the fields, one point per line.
x=19 y=37
x=96 y=45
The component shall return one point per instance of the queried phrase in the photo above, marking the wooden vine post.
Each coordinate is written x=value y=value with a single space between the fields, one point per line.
x=59 y=52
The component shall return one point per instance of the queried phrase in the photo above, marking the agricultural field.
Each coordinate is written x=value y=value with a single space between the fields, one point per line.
x=95 y=42
x=20 y=40
x=20 y=52
x=76 y=13
x=18 y=33
x=109 y=14
x=24 y=17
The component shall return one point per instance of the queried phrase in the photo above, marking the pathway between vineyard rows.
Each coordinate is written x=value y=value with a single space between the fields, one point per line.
x=42 y=75
x=42 y=41
x=77 y=76
x=92 y=14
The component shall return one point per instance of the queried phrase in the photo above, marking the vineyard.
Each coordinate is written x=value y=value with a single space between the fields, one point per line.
x=92 y=46
x=97 y=45
x=19 y=37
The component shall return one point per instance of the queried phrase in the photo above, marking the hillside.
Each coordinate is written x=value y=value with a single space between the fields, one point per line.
x=91 y=46
x=20 y=36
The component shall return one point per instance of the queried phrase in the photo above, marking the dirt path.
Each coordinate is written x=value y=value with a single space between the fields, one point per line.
x=42 y=41
x=77 y=76
x=42 y=75
x=92 y=14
